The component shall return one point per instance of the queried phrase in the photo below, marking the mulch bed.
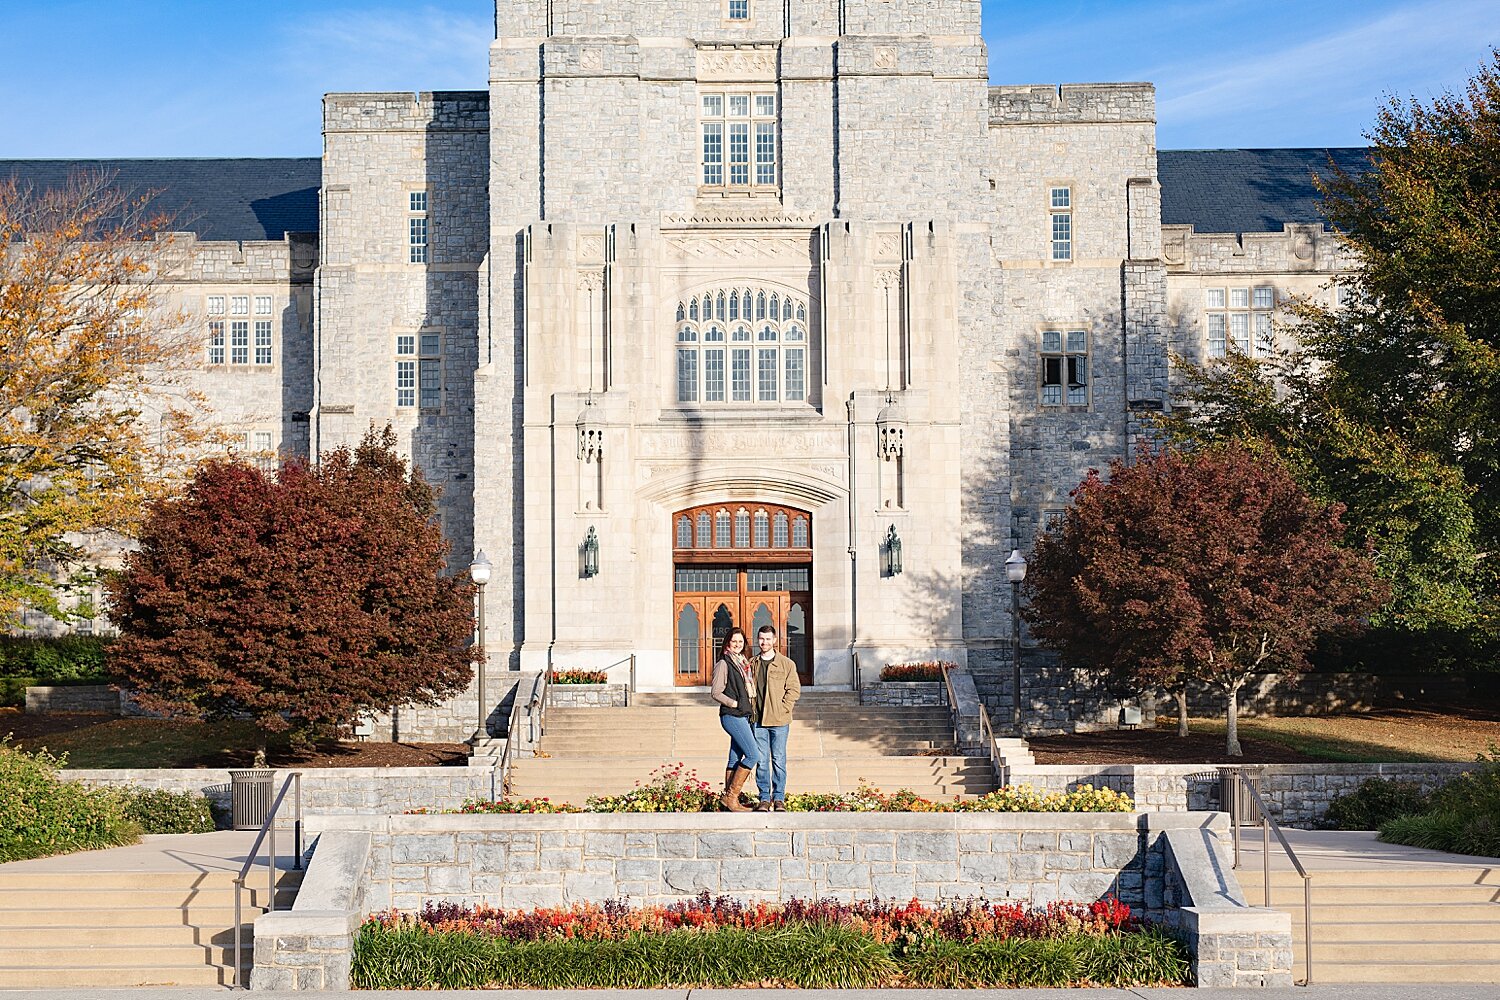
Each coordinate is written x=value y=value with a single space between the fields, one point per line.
x=1157 y=746
x=33 y=731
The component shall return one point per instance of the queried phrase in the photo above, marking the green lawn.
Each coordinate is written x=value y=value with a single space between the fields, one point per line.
x=1384 y=736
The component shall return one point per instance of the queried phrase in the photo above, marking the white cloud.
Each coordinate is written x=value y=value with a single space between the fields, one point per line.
x=425 y=48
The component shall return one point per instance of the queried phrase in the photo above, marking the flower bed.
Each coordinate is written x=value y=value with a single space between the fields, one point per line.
x=721 y=941
x=927 y=670
x=579 y=677
x=675 y=789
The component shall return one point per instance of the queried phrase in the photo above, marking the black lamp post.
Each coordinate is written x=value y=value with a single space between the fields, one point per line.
x=1015 y=572
x=479 y=572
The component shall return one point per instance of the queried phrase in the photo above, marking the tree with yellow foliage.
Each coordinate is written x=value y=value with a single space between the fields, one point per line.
x=95 y=415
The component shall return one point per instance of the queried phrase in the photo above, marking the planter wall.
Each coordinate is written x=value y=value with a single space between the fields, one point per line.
x=586 y=695
x=907 y=694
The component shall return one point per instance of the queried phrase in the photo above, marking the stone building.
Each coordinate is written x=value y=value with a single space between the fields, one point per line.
x=726 y=311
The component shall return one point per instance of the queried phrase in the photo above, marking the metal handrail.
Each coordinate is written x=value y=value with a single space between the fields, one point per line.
x=987 y=732
x=538 y=716
x=952 y=710
x=1267 y=827
x=629 y=685
x=268 y=827
x=510 y=743
x=859 y=684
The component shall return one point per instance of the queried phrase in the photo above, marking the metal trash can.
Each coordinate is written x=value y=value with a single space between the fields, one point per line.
x=250 y=797
x=1234 y=797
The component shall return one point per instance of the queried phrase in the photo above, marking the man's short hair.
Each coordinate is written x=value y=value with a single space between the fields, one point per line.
x=764 y=629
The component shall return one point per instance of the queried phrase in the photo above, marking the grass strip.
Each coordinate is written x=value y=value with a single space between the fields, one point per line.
x=805 y=956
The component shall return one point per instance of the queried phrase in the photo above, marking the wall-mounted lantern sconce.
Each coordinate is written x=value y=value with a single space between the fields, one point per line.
x=591 y=554
x=890 y=551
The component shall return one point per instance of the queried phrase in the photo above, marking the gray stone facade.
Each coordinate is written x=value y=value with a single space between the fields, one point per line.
x=566 y=211
x=904 y=694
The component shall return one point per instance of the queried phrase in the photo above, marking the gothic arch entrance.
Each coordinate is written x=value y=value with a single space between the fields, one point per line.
x=745 y=564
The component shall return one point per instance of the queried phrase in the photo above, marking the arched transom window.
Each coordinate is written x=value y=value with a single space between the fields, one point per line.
x=742 y=345
x=741 y=529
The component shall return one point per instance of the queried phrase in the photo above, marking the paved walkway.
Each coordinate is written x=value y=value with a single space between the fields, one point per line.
x=1340 y=851
x=205 y=852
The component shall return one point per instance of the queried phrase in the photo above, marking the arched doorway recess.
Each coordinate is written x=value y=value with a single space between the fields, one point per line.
x=740 y=563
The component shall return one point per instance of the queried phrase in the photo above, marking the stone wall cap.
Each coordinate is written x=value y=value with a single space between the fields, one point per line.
x=1235 y=920
x=764 y=822
x=288 y=923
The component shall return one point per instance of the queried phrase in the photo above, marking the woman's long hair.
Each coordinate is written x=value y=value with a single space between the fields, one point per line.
x=724 y=646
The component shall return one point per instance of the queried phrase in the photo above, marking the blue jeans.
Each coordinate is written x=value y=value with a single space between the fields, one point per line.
x=770 y=776
x=742 y=747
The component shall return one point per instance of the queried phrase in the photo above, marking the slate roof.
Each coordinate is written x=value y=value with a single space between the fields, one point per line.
x=1246 y=190
x=1214 y=190
x=261 y=199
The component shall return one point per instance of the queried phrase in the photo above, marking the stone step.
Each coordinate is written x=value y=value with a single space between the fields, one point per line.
x=1326 y=895
x=1390 y=953
x=118 y=977
x=79 y=898
x=1402 y=972
x=1325 y=914
x=135 y=935
x=1252 y=874
x=195 y=915
x=65 y=956
x=1392 y=932
x=124 y=880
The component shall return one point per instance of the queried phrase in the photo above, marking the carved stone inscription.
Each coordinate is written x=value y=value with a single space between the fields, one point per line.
x=728 y=445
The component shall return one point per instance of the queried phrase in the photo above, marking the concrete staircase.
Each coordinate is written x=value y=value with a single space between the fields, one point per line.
x=128 y=928
x=834 y=744
x=1432 y=924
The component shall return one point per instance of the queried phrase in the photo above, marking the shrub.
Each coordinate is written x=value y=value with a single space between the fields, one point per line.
x=41 y=815
x=156 y=810
x=579 y=677
x=56 y=658
x=1374 y=802
x=675 y=789
x=672 y=788
x=1463 y=816
x=929 y=670
x=724 y=942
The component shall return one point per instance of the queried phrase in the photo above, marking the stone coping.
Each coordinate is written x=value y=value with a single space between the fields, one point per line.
x=221 y=774
x=1325 y=767
x=773 y=822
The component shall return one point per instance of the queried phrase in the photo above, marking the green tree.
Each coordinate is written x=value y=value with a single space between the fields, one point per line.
x=298 y=599
x=1390 y=404
x=1212 y=565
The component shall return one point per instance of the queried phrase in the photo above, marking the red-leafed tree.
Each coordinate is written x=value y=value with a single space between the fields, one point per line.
x=1211 y=565
x=297 y=599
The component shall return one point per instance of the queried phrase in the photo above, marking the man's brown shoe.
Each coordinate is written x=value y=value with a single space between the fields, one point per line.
x=763 y=806
x=779 y=806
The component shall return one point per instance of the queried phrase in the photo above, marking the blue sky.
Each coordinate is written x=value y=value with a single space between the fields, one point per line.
x=107 y=78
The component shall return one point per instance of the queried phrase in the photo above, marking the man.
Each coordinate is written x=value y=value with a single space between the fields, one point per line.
x=776 y=692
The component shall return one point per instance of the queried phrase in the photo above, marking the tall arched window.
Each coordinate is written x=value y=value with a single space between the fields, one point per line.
x=761 y=356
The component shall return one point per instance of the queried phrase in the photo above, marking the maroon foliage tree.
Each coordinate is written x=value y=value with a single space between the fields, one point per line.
x=1213 y=565
x=297 y=599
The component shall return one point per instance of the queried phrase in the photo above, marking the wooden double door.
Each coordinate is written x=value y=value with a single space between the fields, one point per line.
x=709 y=600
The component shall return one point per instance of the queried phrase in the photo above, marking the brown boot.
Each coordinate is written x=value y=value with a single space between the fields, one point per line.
x=731 y=797
x=728 y=777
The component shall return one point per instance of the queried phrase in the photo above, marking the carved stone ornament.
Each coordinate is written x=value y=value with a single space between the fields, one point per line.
x=791 y=248
x=885 y=57
x=890 y=426
x=591 y=59
x=590 y=436
x=590 y=281
x=888 y=279
x=737 y=65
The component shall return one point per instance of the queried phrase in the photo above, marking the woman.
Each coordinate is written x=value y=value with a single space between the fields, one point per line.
x=734 y=690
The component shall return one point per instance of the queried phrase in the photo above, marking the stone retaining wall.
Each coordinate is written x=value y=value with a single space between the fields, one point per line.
x=586 y=695
x=905 y=694
x=87 y=698
x=328 y=790
x=528 y=861
x=1297 y=794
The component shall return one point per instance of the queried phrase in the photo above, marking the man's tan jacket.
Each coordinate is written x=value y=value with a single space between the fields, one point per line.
x=776 y=690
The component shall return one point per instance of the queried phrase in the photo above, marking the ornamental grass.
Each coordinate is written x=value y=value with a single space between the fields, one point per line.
x=721 y=941
x=677 y=789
